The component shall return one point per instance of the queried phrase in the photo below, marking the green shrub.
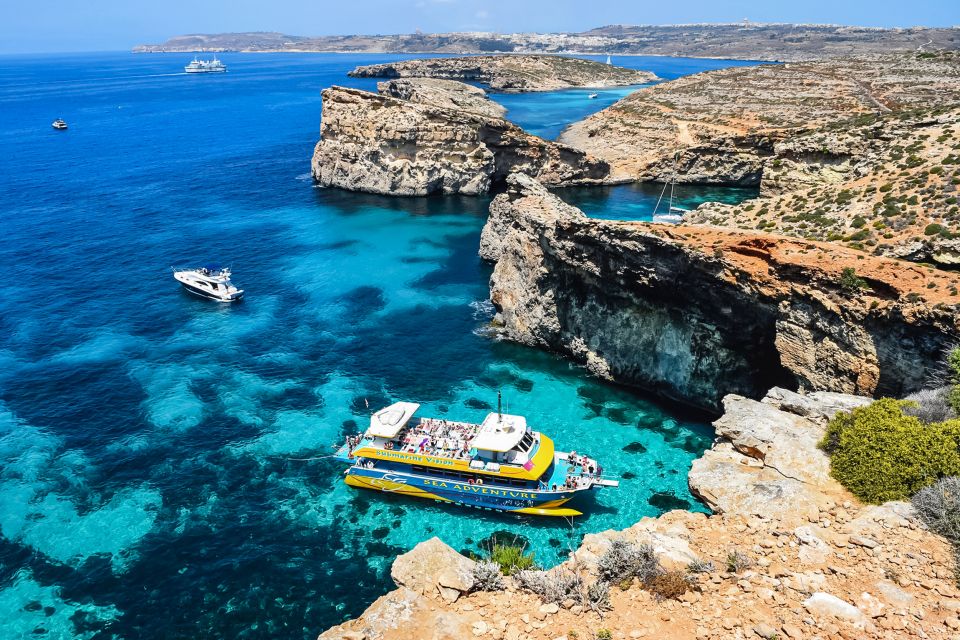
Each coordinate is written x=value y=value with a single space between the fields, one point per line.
x=850 y=282
x=880 y=454
x=932 y=229
x=511 y=558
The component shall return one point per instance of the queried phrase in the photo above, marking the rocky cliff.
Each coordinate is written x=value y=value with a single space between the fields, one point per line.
x=813 y=562
x=862 y=152
x=447 y=94
x=695 y=313
x=721 y=126
x=381 y=144
x=512 y=73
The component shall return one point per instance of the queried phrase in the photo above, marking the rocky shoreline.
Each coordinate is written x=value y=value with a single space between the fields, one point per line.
x=514 y=73
x=844 y=150
x=815 y=563
x=695 y=313
x=440 y=137
x=743 y=41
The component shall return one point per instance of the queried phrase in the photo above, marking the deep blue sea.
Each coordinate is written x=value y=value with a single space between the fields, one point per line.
x=163 y=470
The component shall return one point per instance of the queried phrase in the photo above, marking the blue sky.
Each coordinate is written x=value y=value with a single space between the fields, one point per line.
x=86 y=25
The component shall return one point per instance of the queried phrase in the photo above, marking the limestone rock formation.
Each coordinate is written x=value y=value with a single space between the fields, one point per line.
x=860 y=151
x=766 y=461
x=447 y=94
x=382 y=144
x=512 y=72
x=433 y=567
x=722 y=126
x=695 y=313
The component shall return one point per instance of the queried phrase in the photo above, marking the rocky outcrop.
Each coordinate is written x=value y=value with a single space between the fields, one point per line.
x=765 y=460
x=695 y=313
x=857 y=151
x=512 y=73
x=722 y=127
x=447 y=94
x=824 y=568
x=431 y=568
x=381 y=144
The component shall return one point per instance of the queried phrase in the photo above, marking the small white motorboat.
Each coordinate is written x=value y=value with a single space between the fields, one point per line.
x=593 y=95
x=59 y=124
x=211 y=282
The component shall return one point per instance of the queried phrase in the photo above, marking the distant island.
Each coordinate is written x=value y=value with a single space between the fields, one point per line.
x=742 y=40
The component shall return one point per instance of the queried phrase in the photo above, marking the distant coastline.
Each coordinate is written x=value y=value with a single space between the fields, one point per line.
x=736 y=41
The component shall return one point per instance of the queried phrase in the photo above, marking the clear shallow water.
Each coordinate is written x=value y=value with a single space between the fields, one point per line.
x=549 y=113
x=163 y=471
x=638 y=201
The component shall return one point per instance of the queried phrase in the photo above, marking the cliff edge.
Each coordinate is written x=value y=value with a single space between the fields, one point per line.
x=407 y=147
x=695 y=313
x=512 y=73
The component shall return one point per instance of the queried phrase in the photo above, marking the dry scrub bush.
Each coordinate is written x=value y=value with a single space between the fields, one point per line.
x=598 y=594
x=701 y=566
x=930 y=405
x=738 y=561
x=552 y=586
x=938 y=506
x=669 y=585
x=625 y=560
x=487 y=576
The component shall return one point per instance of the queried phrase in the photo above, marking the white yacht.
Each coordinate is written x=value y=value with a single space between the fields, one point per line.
x=205 y=66
x=59 y=123
x=211 y=281
x=593 y=95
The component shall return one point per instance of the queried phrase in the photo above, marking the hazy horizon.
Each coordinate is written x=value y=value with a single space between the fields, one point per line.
x=109 y=25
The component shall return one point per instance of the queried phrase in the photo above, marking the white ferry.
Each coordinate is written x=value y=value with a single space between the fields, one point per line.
x=205 y=66
x=499 y=464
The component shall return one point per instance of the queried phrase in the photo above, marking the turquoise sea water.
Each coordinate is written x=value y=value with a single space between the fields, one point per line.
x=163 y=471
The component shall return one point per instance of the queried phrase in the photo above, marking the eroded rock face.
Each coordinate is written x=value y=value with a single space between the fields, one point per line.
x=722 y=126
x=381 y=144
x=695 y=313
x=513 y=72
x=447 y=94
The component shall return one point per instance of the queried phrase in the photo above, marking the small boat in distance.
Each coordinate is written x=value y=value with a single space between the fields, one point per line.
x=593 y=95
x=500 y=464
x=59 y=124
x=205 y=66
x=211 y=282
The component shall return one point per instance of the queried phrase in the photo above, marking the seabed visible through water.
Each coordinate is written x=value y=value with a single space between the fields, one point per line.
x=164 y=470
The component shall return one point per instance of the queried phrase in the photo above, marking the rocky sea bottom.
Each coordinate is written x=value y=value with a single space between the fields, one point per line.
x=164 y=457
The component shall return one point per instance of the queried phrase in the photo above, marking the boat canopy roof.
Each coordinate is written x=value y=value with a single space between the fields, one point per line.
x=500 y=432
x=388 y=422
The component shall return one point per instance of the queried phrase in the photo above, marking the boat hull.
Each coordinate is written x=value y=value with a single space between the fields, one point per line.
x=206 y=294
x=507 y=499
